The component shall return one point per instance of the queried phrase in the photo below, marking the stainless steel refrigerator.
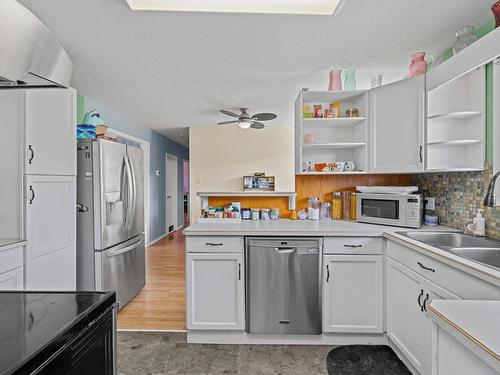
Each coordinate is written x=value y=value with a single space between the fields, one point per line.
x=110 y=218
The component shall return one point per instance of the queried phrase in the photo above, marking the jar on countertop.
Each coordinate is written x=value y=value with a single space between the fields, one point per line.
x=337 y=206
x=255 y=213
x=274 y=214
x=246 y=214
x=264 y=214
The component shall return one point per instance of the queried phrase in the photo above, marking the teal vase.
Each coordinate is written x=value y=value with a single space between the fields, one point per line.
x=350 y=79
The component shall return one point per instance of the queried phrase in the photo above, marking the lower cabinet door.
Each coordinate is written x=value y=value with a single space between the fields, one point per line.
x=12 y=280
x=51 y=232
x=406 y=320
x=215 y=291
x=433 y=291
x=353 y=293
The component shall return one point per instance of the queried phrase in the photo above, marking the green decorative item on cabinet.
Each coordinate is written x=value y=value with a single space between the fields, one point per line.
x=350 y=79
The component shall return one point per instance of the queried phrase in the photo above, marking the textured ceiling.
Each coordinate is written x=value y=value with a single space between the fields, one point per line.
x=177 y=69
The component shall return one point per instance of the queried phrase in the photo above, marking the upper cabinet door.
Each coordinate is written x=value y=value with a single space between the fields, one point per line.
x=50 y=132
x=397 y=119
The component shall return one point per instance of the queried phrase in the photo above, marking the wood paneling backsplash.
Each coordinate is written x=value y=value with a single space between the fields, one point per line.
x=320 y=186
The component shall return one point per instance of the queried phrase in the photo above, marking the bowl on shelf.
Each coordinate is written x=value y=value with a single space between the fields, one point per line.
x=320 y=167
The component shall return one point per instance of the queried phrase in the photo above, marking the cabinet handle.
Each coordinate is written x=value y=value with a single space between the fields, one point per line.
x=426 y=268
x=239 y=271
x=327 y=273
x=214 y=244
x=32 y=195
x=420 y=154
x=31 y=154
x=353 y=246
x=419 y=297
x=424 y=308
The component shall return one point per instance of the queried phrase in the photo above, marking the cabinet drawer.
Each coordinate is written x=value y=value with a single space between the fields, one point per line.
x=11 y=259
x=456 y=281
x=353 y=245
x=214 y=244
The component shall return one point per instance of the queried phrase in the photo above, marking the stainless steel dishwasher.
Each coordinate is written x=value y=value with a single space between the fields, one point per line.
x=283 y=278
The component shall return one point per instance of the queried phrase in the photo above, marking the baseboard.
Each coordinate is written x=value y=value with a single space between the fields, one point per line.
x=158 y=239
x=152 y=330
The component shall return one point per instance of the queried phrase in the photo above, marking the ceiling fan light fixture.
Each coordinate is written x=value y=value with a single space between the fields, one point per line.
x=244 y=124
x=308 y=7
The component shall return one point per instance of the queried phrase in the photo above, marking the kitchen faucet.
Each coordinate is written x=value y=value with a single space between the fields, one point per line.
x=490 y=198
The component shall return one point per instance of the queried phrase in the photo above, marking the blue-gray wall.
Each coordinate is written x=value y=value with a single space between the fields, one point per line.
x=159 y=146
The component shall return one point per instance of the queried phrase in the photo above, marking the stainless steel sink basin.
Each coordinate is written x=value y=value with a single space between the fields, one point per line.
x=451 y=240
x=489 y=257
x=482 y=250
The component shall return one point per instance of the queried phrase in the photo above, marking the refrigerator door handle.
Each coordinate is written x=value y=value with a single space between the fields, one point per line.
x=133 y=192
x=130 y=194
x=114 y=253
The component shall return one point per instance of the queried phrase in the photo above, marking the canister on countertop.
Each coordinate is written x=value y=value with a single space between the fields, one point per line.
x=255 y=213
x=313 y=206
x=274 y=214
x=352 y=208
x=264 y=214
x=337 y=210
x=326 y=211
x=246 y=214
x=346 y=197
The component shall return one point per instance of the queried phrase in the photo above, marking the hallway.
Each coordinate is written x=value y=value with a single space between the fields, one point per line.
x=161 y=304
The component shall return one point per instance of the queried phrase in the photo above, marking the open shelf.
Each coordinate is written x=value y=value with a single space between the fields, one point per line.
x=331 y=173
x=333 y=122
x=324 y=96
x=334 y=145
x=290 y=195
x=456 y=123
x=457 y=142
x=456 y=115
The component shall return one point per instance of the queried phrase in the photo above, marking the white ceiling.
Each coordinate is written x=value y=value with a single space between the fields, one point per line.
x=178 y=69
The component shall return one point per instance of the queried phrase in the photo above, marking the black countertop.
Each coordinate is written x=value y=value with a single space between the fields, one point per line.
x=34 y=325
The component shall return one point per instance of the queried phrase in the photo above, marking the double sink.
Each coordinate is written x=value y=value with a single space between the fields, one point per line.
x=481 y=250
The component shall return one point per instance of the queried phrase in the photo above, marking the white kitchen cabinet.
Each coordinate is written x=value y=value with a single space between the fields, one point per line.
x=452 y=357
x=215 y=291
x=397 y=121
x=50 y=140
x=406 y=320
x=11 y=268
x=353 y=293
x=51 y=232
x=12 y=280
x=408 y=327
x=12 y=165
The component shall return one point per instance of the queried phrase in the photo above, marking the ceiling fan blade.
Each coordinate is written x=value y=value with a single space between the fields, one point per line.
x=229 y=113
x=264 y=116
x=257 y=125
x=227 y=122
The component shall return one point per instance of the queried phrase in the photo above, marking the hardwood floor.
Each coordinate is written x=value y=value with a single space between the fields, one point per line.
x=161 y=305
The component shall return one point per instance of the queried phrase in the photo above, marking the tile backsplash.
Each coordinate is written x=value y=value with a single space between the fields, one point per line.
x=458 y=195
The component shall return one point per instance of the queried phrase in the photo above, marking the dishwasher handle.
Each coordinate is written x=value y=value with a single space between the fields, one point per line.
x=285 y=250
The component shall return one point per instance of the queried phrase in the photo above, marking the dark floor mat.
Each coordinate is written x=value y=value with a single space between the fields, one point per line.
x=364 y=360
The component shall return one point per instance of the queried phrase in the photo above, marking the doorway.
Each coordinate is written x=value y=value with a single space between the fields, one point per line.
x=172 y=204
x=186 y=190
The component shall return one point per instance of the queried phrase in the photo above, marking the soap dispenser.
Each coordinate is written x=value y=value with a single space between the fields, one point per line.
x=479 y=224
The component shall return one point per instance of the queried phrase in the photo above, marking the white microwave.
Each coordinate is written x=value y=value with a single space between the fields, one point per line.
x=390 y=209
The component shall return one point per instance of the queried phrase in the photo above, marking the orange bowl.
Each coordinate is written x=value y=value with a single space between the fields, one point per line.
x=320 y=166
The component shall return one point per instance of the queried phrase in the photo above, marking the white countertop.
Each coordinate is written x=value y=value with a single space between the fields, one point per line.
x=476 y=324
x=7 y=244
x=288 y=227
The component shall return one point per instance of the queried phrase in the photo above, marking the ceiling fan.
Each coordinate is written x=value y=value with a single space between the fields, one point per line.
x=245 y=121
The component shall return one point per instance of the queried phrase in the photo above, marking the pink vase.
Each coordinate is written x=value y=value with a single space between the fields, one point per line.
x=335 y=82
x=418 y=64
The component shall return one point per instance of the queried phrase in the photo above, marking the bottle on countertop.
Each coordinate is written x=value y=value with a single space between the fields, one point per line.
x=479 y=223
